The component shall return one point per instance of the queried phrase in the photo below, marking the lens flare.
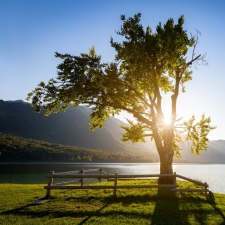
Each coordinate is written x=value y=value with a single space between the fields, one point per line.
x=166 y=120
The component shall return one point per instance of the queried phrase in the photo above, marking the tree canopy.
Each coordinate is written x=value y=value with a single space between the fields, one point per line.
x=146 y=65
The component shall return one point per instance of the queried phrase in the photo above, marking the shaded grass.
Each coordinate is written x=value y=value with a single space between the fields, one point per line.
x=131 y=206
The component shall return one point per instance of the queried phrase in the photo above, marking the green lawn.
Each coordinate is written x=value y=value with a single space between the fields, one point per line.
x=131 y=206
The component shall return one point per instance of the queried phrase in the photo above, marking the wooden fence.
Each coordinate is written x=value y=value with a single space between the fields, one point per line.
x=80 y=177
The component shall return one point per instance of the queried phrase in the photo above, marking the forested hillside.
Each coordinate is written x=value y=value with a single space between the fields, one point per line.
x=16 y=149
x=69 y=128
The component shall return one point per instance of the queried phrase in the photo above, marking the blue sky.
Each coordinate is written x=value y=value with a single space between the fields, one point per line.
x=31 y=31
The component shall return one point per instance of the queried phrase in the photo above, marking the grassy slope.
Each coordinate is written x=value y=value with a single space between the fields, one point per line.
x=133 y=206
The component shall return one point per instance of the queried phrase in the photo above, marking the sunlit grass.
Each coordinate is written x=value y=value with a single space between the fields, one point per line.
x=131 y=206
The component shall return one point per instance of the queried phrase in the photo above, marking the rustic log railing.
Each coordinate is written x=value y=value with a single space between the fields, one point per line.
x=80 y=176
x=205 y=188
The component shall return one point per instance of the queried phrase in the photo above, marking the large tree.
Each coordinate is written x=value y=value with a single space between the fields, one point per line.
x=146 y=65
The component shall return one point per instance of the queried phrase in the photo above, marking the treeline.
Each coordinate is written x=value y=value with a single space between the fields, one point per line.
x=17 y=149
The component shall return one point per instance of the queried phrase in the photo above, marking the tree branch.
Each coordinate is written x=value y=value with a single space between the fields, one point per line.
x=190 y=62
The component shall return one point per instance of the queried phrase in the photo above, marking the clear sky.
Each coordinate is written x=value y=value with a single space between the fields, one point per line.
x=32 y=31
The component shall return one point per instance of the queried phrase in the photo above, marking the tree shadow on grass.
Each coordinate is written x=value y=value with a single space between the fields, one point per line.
x=85 y=213
x=212 y=202
x=166 y=208
x=186 y=209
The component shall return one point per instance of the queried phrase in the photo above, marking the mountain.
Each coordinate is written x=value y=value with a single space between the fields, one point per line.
x=214 y=154
x=67 y=128
x=71 y=129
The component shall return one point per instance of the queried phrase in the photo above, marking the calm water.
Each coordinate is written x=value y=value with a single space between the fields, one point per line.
x=213 y=174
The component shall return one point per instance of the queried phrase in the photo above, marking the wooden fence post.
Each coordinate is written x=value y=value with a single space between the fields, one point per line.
x=175 y=182
x=50 y=180
x=206 y=190
x=115 y=184
x=82 y=179
x=100 y=170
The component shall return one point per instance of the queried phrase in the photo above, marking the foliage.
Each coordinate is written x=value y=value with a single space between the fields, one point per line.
x=197 y=133
x=133 y=206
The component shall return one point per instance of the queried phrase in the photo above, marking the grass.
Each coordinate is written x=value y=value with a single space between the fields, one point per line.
x=131 y=206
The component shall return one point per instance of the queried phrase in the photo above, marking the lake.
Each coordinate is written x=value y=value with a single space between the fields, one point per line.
x=31 y=173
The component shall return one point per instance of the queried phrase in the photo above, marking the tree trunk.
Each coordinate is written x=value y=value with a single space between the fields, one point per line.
x=166 y=167
x=166 y=156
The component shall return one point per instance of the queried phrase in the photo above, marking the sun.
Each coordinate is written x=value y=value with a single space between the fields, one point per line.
x=167 y=120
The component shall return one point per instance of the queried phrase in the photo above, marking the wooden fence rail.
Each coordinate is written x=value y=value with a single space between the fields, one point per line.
x=205 y=185
x=80 y=176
